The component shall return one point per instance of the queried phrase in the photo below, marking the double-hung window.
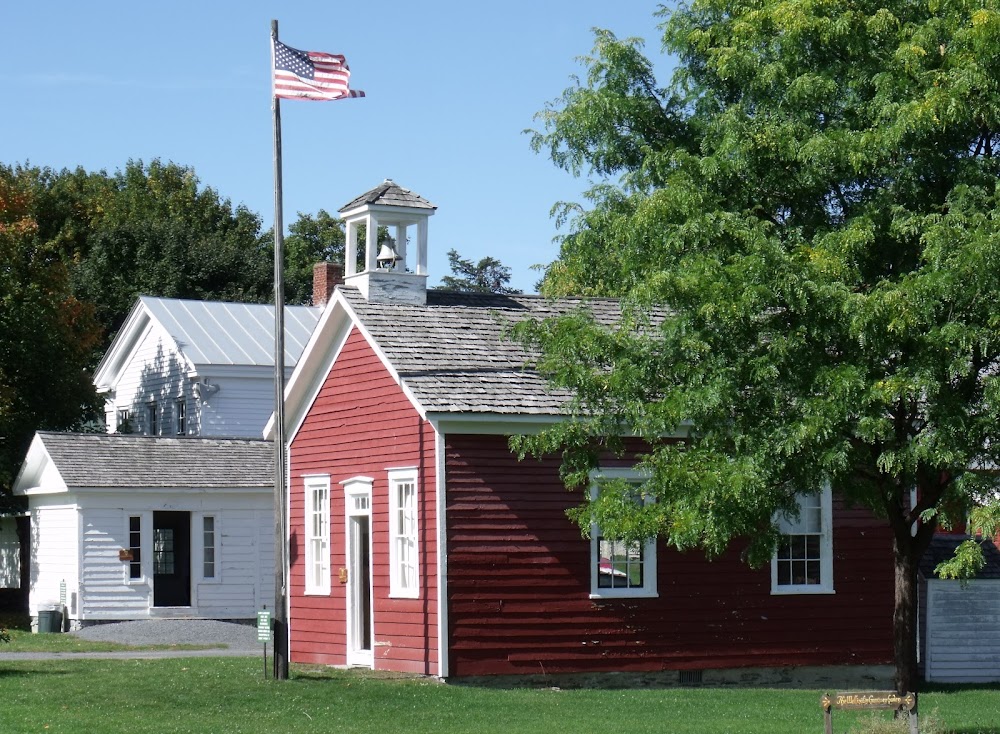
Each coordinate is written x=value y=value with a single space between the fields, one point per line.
x=180 y=417
x=803 y=563
x=403 y=573
x=620 y=568
x=317 y=509
x=153 y=419
x=209 y=547
x=135 y=547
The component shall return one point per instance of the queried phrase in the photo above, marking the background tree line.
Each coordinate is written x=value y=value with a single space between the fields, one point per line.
x=76 y=250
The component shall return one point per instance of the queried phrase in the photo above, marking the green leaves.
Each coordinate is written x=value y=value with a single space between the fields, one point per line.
x=800 y=227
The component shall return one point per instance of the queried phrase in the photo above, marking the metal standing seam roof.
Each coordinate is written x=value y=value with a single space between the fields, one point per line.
x=452 y=355
x=223 y=333
x=97 y=460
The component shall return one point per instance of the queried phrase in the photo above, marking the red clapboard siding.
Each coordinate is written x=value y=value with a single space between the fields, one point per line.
x=519 y=584
x=361 y=423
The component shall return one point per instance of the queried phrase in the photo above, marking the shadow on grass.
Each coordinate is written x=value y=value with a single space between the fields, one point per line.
x=6 y=673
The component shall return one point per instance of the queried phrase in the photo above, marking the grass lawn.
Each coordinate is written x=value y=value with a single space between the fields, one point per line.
x=22 y=640
x=221 y=695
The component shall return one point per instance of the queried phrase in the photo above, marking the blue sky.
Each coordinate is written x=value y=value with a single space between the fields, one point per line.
x=451 y=86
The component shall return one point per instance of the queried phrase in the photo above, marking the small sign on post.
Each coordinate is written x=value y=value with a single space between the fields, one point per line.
x=264 y=633
x=872 y=700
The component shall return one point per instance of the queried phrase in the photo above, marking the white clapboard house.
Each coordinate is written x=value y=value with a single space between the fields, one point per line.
x=171 y=512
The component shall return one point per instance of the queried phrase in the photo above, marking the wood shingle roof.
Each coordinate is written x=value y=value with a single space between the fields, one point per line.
x=389 y=193
x=452 y=353
x=100 y=460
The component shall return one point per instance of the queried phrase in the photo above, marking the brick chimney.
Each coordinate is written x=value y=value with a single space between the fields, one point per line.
x=326 y=277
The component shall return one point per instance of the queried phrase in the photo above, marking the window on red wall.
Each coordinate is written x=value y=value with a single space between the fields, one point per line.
x=803 y=563
x=403 y=568
x=618 y=568
x=317 y=506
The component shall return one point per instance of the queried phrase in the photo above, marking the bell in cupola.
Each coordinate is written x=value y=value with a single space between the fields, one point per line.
x=395 y=269
x=387 y=255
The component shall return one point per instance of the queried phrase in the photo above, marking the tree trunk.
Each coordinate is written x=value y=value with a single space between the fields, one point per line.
x=904 y=622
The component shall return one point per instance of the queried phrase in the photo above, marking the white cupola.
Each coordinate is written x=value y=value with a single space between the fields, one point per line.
x=390 y=275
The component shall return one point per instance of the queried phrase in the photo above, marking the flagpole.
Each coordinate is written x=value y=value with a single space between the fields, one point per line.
x=280 y=494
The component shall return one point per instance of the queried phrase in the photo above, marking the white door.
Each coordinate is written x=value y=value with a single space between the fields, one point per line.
x=359 y=577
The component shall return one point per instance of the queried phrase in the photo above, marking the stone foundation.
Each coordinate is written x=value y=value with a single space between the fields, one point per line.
x=826 y=677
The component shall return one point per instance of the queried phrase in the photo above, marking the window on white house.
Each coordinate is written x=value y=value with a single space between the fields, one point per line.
x=124 y=421
x=208 y=547
x=620 y=568
x=403 y=574
x=135 y=547
x=803 y=563
x=317 y=502
x=180 y=414
x=153 y=419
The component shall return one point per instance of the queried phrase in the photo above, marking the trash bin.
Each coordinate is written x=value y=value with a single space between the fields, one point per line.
x=50 y=618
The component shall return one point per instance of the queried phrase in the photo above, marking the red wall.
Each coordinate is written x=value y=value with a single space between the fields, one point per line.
x=361 y=423
x=519 y=584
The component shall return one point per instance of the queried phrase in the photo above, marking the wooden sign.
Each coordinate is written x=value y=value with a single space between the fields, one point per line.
x=859 y=700
x=869 y=700
x=124 y=554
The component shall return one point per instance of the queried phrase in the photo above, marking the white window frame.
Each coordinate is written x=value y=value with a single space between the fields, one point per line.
x=403 y=535
x=792 y=526
x=648 y=590
x=145 y=547
x=317 y=518
x=216 y=548
x=180 y=417
x=153 y=419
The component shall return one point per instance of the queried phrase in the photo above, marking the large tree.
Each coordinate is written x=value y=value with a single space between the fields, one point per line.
x=46 y=334
x=310 y=240
x=802 y=228
x=154 y=230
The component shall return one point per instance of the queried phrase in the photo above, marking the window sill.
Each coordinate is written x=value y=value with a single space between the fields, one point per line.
x=403 y=595
x=317 y=592
x=626 y=595
x=801 y=590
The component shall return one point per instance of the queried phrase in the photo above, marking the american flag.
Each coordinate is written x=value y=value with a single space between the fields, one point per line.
x=310 y=75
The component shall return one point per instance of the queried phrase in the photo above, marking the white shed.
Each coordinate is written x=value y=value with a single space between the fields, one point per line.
x=960 y=621
x=134 y=527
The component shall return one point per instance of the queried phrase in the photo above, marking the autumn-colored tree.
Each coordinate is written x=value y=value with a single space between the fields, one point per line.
x=47 y=335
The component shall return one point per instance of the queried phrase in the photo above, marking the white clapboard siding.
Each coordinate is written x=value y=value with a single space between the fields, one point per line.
x=55 y=551
x=963 y=631
x=10 y=554
x=241 y=407
x=156 y=373
x=106 y=591
x=244 y=570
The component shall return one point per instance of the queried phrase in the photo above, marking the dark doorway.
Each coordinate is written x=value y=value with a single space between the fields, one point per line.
x=171 y=559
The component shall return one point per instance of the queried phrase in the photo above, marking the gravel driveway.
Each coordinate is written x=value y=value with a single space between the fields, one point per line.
x=233 y=636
